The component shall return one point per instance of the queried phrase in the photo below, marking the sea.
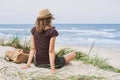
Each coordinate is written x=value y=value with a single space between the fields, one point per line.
x=105 y=35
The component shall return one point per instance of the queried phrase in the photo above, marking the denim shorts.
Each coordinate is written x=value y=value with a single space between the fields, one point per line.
x=59 y=62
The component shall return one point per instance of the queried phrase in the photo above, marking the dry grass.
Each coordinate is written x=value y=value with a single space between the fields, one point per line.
x=13 y=73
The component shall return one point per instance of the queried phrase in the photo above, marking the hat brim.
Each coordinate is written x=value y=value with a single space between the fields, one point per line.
x=47 y=16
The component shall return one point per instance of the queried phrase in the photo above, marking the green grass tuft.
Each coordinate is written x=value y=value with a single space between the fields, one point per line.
x=85 y=77
x=64 y=51
x=80 y=77
x=16 y=43
x=94 y=60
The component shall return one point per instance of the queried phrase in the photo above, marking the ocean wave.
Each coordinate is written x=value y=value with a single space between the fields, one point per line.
x=107 y=35
x=111 y=35
x=108 y=30
x=10 y=29
x=83 y=31
x=2 y=35
x=90 y=39
x=93 y=33
x=72 y=40
x=102 y=32
x=74 y=28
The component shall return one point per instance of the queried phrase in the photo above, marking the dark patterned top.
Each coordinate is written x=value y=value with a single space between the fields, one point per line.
x=42 y=41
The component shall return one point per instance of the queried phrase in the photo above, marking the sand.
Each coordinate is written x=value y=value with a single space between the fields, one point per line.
x=111 y=54
x=73 y=68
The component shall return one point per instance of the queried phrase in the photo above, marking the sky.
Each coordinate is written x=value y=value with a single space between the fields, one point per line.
x=64 y=11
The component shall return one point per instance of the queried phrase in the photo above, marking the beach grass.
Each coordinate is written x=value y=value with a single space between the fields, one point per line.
x=15 y=72
x=85 y=77
x=94 y=60
x=16 y=42
x=79 y=77
x=86 y=58
x=2 y=41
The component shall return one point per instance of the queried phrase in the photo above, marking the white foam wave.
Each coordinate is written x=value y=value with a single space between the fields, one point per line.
x=108 y=30
x=107 y=35
x=106 y=41
x=4 y=35
x=10 y=29
x=93 y=32
x=103 y=32
x=73 y=28
x=111 y=35
x=11 y=36
x=84 y=31
x=90 y=40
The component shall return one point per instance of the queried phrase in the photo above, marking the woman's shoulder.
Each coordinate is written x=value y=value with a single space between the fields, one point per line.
x=33 y=30
x=53 y=32
x=53 y=28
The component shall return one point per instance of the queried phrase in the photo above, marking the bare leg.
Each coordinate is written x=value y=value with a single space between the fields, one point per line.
x=69 y=57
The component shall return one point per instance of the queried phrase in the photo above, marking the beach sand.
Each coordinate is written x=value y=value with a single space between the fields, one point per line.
x=73 y=68
x=111 y=54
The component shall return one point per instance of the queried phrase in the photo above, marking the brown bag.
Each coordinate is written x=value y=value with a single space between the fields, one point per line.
x=17 y=56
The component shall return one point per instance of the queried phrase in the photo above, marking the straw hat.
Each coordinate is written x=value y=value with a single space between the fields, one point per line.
x=45 y=13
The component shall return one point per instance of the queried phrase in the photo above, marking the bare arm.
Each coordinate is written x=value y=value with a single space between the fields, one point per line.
x=52 y=53
x=32 y=52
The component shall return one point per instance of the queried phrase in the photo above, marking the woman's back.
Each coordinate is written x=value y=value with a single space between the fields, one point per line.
x=42 y=41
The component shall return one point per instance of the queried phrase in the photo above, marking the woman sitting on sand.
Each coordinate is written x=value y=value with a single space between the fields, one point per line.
x=43 y=43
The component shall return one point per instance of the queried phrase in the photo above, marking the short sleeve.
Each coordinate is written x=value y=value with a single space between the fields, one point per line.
x=33 y=30
x=54 y=33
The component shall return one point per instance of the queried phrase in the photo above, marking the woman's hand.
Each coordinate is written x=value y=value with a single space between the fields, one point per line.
x=25 y=67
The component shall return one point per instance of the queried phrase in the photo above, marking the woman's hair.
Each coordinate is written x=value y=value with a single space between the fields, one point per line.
x=42 y=23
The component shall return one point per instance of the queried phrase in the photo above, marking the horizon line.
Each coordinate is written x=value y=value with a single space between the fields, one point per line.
x=61 y=23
